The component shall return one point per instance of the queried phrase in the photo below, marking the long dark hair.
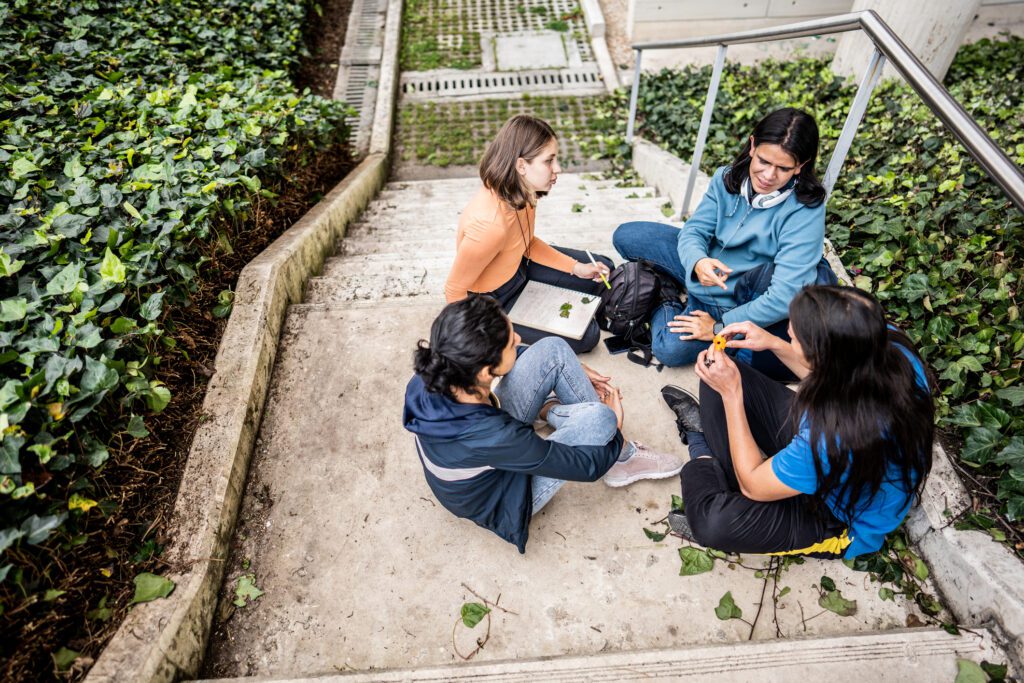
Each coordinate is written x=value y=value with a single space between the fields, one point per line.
x=861 y=398
x=797 y=134
x=468 y=336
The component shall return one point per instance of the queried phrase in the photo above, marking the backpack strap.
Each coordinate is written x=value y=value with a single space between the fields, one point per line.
x=642 y=355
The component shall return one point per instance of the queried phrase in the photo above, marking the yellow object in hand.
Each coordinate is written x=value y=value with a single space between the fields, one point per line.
x=719 y=342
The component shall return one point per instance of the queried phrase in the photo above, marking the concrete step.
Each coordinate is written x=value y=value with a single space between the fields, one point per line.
x=922 y=654
x=412 y=216
x=417 y=246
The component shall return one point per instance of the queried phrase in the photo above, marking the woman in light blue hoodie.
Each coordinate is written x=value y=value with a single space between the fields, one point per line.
x=755 y=239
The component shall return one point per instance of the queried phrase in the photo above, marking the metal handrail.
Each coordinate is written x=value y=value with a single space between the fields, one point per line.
x=888 y=45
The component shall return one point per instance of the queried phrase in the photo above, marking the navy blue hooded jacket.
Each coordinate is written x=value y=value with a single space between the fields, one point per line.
x=478 y=460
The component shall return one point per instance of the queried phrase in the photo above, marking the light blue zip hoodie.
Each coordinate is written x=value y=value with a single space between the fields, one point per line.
x=727 y=228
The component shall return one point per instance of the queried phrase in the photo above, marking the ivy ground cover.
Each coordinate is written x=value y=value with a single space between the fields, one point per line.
x=137 y=141
x=917 y=222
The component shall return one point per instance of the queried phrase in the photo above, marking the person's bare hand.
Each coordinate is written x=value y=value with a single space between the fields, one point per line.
x=711 y=272
x=719 y=372
x=698 y=325
x=602 y=384
x=754 y=337
x=590 y=271
x=613 y=399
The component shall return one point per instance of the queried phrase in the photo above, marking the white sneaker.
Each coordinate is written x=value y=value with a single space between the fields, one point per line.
x=644 y=464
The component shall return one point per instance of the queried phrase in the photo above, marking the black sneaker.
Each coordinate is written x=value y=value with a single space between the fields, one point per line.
x=680 y=525
x=686 y=407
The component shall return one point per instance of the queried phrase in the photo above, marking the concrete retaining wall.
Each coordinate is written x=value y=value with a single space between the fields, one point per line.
x=165 y=640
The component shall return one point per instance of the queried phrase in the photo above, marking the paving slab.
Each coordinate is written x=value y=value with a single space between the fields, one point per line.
x=364 y=570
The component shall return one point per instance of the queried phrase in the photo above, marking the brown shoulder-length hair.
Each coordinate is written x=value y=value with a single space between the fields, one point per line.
x=522 y=136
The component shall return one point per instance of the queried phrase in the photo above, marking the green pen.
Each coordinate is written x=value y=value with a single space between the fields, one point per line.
x=603 y=278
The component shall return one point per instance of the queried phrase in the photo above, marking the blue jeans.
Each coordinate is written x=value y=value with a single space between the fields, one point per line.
x=550 y=366
x=658 y=243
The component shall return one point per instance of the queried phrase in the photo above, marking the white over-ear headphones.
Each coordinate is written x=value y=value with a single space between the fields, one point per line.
x=764 y=201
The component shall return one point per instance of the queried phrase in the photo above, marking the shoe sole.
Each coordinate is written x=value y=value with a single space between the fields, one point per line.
x=633 y=480
x=681 y=391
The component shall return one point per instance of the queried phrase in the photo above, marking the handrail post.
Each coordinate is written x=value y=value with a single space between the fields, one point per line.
x=702 y=133
x=853 y=119
x=632 y=99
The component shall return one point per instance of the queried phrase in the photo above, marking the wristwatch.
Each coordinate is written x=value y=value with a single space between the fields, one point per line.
x=717 y=329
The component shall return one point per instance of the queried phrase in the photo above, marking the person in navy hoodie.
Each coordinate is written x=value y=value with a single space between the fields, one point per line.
x=755 y=239
x=480 y=453
x=848 y=452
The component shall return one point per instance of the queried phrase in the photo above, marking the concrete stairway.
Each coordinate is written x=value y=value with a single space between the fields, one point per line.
x=404 y=243
x=364 y=574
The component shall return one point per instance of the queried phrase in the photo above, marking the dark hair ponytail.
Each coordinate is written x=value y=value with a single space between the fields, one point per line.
x=468 y=336
x=861 y=398
x=797 y=134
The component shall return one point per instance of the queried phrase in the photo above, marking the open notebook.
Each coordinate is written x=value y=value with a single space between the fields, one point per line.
x=553 y=309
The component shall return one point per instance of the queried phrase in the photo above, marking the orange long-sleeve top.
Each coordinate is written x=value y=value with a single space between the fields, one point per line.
x=490 y=245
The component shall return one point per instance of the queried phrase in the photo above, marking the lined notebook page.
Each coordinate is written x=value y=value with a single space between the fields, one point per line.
x=540 y=306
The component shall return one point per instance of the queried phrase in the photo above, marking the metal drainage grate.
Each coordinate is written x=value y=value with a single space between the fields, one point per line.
x=359 y=67
x=461 y=84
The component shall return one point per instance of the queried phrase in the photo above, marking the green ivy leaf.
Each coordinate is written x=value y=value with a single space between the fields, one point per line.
x=1012 y=395
x=149 y=587
x=8 y=267
x=66 y=281
x=150 y=310
x=834 y=601
x=64 y=658
x=12 y=309
x=654 y=535
x=158 y=398
x=473 y=613
x=246 y=590
x=969 y=672
x=111 y=269
x=677 y=503
x=22 y=167
x=980 y=445
x=727 y=608
x=695 y=561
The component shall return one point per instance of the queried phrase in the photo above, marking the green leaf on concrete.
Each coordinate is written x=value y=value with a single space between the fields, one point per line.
x=695 y=561
x=473 y=613
x=654 y=535
x=727 y=608
x=827 y=584
x=969 y=672
x=920 y=569
x=834 y=601
x=886 y=593
x=64 y=658
x=996 y=672
x=150 y=587
x=246 y=590
x=677 y=503
x=785 y=591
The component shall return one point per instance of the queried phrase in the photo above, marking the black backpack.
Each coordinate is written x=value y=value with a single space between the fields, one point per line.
x=636 y=289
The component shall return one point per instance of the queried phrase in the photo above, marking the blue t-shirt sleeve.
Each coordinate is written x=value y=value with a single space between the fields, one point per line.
x=794 y=465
